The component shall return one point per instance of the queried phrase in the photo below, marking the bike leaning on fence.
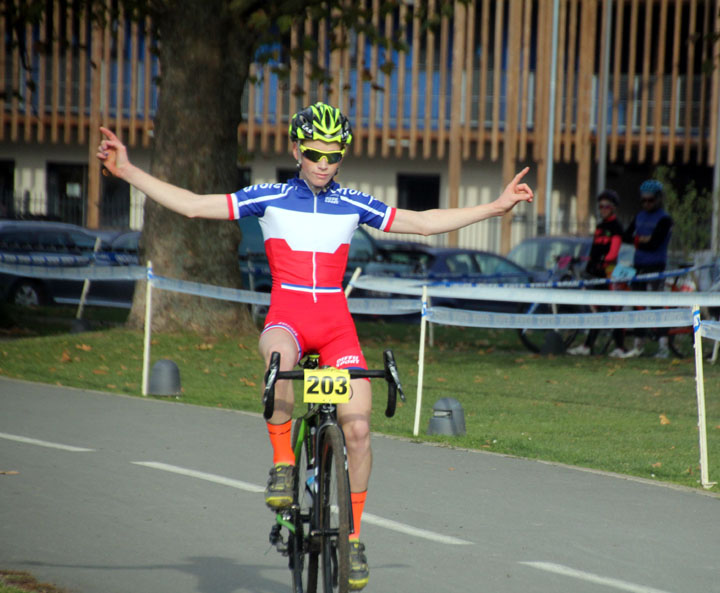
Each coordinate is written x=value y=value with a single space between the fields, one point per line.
x=313 y=532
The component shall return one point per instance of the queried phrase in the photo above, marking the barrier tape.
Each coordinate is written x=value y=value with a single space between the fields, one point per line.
x=710 y=329
x=360 y=306
x=617 y=298
x=76 y=273
x=610 y=319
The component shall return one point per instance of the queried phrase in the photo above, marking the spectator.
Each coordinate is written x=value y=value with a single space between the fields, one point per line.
x=603 y=258
x=650 y=232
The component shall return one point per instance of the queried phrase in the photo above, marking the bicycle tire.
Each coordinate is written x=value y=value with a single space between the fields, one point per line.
x=681 y=342
x=534 y=340
x=301 y=542
x=334 y=491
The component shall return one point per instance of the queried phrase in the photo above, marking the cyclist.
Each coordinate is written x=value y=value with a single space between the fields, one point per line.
x=307 y=226
x=603 y=257
x=650 y=232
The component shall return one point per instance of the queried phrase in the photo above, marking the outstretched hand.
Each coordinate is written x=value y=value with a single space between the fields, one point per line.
x=515 y=192
x=112 y=153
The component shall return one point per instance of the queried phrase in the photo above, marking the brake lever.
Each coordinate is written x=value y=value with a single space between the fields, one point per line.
x=391 y=367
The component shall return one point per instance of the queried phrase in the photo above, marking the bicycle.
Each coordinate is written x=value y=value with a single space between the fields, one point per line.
x=319 y=521
x=567 y=268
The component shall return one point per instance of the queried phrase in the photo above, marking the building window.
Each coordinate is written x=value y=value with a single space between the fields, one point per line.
x=418 y=192
x=244 y=176
x=7 y=189
x=284 y=174
x=66 y=192
x=114 y=203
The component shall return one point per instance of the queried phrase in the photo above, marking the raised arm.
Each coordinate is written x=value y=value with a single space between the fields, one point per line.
x=433 y=222
x=113 y=155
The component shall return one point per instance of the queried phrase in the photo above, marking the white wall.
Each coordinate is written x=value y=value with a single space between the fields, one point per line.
x=481 y=182
x=30 y=170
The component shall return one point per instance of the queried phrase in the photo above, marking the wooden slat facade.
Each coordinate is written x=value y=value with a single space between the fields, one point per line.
x=663 y=105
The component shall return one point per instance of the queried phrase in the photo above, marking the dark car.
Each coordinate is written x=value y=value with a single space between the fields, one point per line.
x=452 y=264
x=124 y=248
x=56 y=244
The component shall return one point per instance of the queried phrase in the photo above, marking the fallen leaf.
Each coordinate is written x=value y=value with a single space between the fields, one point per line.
x=479 y=379
x=65 y=356
x=204 y=347
x=452 y=469
x=519 y=360
x=658 y=464
x=441 y=379
x=99 y=372
x=664 y=419
x=83 y=347
x=111 y=386
x=551 y=381
x=9 y=472
x=242 y=347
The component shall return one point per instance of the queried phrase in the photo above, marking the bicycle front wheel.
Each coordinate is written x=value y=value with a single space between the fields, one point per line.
x=334 y=512
x=538 y=340
x=303 y=552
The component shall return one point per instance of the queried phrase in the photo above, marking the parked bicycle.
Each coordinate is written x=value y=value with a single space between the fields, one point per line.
x=680 y=339
x=313 y=532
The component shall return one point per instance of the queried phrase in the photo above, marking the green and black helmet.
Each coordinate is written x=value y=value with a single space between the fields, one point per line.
x=320 y=122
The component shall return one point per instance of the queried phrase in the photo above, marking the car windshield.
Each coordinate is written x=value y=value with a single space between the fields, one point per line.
x=418 y=261
x=543 y=254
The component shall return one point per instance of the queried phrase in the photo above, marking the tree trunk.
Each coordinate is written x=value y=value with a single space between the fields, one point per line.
x=204 y=64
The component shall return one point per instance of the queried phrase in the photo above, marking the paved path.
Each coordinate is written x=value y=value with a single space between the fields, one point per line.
x=126 y=495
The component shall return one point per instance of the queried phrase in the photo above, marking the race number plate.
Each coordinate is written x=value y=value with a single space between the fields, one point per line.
x=326 y=386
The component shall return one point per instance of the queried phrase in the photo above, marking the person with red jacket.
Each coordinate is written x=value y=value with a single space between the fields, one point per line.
x=603 y=257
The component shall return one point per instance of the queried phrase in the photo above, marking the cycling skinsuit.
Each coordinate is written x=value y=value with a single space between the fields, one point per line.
x=307 y=239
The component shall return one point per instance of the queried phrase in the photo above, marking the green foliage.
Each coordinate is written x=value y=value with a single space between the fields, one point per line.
x=691 y=210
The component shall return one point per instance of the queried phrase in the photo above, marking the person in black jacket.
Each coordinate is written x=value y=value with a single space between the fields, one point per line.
x=650 y=232
x=603 y=257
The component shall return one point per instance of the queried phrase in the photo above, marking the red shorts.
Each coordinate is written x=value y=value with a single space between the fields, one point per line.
x=324 y=326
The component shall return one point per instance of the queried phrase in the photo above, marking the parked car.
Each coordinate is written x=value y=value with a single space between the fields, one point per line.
x=549 y=257
x=451 y=264
x=67 y=245
x=124 y=248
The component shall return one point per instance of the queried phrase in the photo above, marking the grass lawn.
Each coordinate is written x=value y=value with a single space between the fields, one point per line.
x=12 y=581
x=635 y=416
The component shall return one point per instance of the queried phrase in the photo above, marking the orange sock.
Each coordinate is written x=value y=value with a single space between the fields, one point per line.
x=358 y=504
x=280 y=440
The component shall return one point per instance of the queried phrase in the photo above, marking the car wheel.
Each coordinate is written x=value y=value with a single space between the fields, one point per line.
x=27 y=293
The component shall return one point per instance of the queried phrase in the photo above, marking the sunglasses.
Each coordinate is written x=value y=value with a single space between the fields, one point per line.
x=604 y=206
x=314 y=155
x=647 y=200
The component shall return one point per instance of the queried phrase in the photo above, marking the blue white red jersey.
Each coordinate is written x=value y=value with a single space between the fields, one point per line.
x=307 y=236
